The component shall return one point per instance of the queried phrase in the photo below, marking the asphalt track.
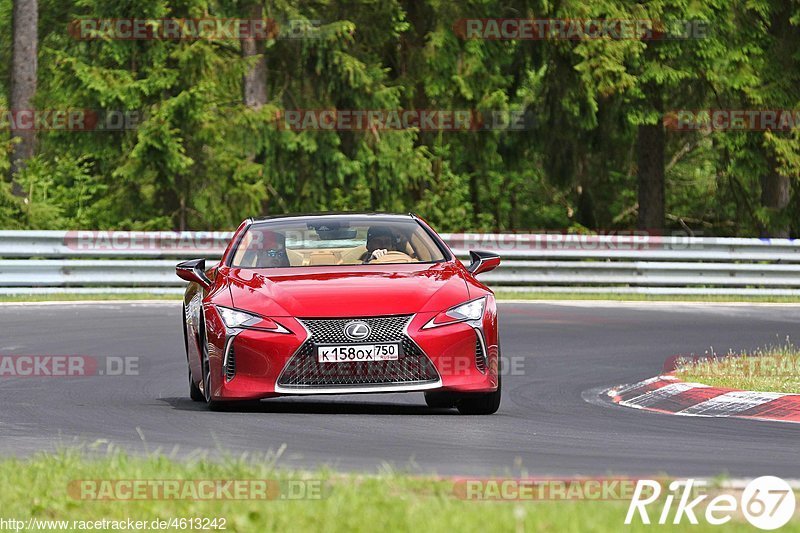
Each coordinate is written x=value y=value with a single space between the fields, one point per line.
x=550 y=422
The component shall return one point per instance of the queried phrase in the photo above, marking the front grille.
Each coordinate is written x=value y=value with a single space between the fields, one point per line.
x=412 y=366
x=480 y=355
x=331 y=330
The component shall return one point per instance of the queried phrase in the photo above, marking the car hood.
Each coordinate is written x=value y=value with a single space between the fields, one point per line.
x=341 y=291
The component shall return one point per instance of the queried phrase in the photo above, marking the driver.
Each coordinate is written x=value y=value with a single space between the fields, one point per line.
x=380 y=241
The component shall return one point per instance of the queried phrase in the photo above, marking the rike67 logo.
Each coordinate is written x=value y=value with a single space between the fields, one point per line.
x=766 y=502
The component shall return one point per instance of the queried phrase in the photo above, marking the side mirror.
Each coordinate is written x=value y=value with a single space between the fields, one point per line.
x=482 y=262
x=194 y=271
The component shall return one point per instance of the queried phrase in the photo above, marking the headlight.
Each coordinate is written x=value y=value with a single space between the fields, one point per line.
x=236 y=318
x=469 y=311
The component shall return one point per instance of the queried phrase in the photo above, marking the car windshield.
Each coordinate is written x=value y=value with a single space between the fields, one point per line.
x=335 y=240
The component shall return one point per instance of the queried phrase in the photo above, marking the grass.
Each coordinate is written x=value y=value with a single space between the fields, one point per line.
x=66 y=297
x=722 y=298
x=501 y=295
x=37 y=487
x=770 y=369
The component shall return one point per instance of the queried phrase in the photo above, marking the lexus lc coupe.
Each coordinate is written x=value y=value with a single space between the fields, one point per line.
x=341 y=304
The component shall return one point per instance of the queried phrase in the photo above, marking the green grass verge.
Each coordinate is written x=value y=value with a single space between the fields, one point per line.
x=770 y=369
x=38 y=488
x=85 y=297
x=510 y=295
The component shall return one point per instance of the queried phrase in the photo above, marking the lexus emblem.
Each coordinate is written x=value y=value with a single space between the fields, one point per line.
x=357 y=330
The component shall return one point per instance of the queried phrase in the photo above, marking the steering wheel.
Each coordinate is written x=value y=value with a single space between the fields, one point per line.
x=392 y=256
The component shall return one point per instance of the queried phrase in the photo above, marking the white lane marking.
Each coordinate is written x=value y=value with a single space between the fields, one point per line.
x=646 y=304
x=731 y=403
x=109 y=303
x=622 y=389
x=655 y=396
x=743 y=399
x=595 y=397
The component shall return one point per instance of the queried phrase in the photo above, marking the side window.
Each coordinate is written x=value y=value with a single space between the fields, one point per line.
x=244 y=245
x=420 y=247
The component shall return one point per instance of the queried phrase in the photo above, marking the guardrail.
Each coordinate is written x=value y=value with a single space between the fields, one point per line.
x=89 y=261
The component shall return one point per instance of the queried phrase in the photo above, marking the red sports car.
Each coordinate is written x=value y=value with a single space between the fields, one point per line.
x=341 y=304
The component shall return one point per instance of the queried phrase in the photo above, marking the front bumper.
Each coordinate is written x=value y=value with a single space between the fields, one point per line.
x=260 y=360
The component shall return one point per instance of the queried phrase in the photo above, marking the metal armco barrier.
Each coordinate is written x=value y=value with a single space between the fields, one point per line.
x=92 y=261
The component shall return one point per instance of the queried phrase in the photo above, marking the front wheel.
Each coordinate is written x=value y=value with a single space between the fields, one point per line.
x=212 y=404
x=485 y=403
x=440 y=400
x=194 y=391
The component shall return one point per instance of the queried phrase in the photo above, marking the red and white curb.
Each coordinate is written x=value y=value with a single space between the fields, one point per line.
x=668 y=394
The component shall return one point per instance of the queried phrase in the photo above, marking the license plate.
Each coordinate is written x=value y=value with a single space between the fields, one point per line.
x=360 y=352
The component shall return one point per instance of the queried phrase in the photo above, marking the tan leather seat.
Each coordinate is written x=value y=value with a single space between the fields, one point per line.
x=353 y=255
x=295 y=258
x=323 y=258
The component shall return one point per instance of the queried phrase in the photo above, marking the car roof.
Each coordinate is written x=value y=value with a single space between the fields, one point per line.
x=340 y=214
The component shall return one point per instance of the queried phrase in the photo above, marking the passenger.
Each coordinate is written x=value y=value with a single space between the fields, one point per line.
x=271 y=250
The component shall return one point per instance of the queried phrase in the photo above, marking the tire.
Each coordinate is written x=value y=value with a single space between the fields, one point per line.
x=440 y=400
x=205 y=364
x=194 y=391
x=213 y=405
x=486 y=403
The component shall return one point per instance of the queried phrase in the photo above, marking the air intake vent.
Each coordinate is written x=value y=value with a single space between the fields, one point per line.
x=230 y=365
x=480 y=355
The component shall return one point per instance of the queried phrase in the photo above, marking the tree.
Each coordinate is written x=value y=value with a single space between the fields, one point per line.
x=650 y=146
x=208 y=146
x=781 y=150
x=23 y=81
x=254 y=82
